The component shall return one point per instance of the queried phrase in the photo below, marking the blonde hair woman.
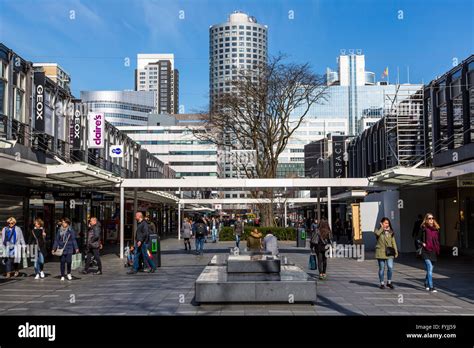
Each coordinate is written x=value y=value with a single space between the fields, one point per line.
x=430 y=248
x=13 y=243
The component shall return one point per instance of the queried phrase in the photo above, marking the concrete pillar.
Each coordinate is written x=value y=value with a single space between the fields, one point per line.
x=122 y=220
x=319 y=204
x=135 y=208
x=179 y=221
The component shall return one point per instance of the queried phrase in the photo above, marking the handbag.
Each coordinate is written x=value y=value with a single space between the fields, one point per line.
x=389 y=251
x=60 y=251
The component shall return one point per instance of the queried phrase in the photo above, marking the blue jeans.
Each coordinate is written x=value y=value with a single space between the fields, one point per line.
x=429 y=273
x=10 y=264
x=39 y=262
x=200 y=244
x=143 y=250
x=237 y=240
x=214 y=234
x=382 y=263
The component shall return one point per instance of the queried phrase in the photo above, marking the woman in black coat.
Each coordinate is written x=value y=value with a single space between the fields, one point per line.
x=37 y=239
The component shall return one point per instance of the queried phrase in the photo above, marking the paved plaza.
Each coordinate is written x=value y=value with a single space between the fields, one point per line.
x=350 y=289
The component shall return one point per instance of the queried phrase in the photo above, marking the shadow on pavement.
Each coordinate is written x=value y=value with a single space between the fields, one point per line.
x=325 y=302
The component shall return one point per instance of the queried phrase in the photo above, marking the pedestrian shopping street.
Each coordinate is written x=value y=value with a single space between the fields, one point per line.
x=350 y=289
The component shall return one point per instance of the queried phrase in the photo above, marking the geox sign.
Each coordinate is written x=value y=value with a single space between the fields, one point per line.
x=76 y=128
x=39 y=101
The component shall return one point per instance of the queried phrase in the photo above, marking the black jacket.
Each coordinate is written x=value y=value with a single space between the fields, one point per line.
x=36 y=238
x=143 y=233
x=93 y=236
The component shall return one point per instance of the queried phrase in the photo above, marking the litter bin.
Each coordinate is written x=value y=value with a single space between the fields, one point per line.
x=155 y=248
x=300 y=237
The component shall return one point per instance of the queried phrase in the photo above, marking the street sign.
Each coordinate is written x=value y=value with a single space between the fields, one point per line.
x=466 y=183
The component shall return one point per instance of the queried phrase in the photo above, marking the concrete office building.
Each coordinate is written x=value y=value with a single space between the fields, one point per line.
x=121 y=108
x=239 y=43
x=157 y=73
x=170 y=138
x=56 y=73
x=291 y=160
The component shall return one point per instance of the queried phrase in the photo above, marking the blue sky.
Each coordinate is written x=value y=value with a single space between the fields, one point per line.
x=93 y=46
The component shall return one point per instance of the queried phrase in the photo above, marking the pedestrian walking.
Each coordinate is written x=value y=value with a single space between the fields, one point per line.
x=238 y=230
x=385 y=251
x=254 y=241
x=13 y=243
x=93 y=246
x=142 y=237
x=38 y=241
x=430 y=248
x=151 y=225
x=66 y=242
x=416 y=233
x=319 y=245
x=337 y=229
x=187 y=233
x=314 y=226
x=214 y=228
x=270 y=243
x=200 y=232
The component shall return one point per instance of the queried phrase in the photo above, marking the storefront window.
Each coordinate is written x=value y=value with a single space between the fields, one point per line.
x=470 y=80
x=19 y=96
x=457 y=121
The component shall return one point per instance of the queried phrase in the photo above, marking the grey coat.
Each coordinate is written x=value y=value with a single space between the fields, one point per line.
x=187 y=230
x=19 y=246
x=270 y=243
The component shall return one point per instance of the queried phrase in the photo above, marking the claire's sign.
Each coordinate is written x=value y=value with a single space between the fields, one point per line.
x=96 y=126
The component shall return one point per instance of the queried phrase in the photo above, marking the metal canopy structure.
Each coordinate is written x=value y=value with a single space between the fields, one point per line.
x=77 y=175
x=403 y=176
x=214 y=183
x=246 y=184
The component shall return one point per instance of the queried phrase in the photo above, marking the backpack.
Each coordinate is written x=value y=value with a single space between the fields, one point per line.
x=201 y=230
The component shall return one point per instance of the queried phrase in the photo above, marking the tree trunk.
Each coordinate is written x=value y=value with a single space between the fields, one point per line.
x=266 y=210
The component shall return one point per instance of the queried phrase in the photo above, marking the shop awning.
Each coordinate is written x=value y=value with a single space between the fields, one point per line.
x=404 y=176
x=453 y=171
x=80 y=175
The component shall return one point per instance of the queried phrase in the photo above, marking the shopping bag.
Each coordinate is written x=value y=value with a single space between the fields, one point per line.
x=76 y=261
x=312 y=264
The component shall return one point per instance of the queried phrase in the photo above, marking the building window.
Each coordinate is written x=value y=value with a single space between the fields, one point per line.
x=2 y=96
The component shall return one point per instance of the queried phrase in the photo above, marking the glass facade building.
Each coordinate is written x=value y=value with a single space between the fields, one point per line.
x=121 y=108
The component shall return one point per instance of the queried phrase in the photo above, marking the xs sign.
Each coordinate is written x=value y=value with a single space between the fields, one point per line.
x=116 y=151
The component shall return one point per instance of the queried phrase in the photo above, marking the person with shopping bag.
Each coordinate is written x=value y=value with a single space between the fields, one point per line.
x=65 y=244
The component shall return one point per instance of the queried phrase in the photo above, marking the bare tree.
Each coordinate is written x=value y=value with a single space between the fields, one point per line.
x=262 y=110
